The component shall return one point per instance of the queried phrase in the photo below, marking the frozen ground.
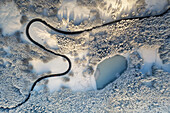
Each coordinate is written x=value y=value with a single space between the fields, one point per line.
x=144 y=87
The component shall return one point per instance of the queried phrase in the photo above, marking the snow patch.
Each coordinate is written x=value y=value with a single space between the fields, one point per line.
x=69 y=10
x=57 y=65
x=156 y=5
x=151 y=57
x=115 y=8
x=78 y=82
x=40 y=33
x=9 y=19
x=55 y=84
x=119 y=9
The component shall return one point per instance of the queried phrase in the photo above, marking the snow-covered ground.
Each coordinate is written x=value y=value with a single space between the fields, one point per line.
x=151 y=57
x=9 y=18
x=143 y=87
